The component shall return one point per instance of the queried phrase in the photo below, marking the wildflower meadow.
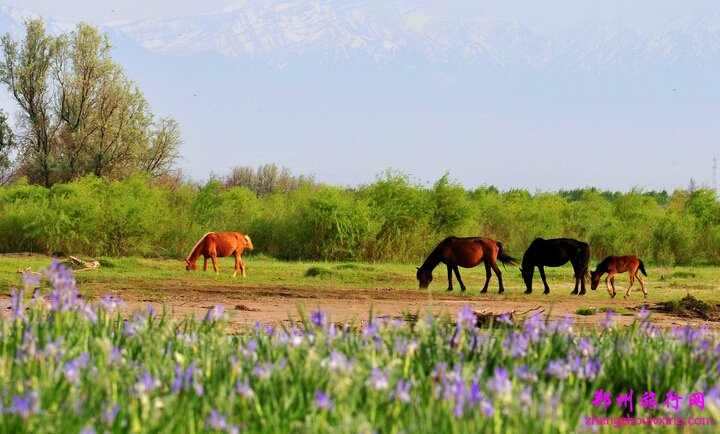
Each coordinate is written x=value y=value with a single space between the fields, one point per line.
x=72 y=365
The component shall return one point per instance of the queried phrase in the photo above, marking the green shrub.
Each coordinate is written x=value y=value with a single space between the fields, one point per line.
x=393 y=219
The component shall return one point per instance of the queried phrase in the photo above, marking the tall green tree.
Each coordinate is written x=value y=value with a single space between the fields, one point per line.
x=25 y=70
x=92 y=118
x=7 y=144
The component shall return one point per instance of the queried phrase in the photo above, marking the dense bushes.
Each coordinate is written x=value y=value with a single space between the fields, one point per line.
x=393 y=219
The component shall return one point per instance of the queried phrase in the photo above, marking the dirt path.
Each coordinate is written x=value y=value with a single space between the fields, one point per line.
x=275 y=304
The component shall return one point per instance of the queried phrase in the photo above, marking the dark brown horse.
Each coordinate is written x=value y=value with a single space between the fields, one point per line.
x=554 y=253
x=221 y=244
x=466 y=253
x=613 y=265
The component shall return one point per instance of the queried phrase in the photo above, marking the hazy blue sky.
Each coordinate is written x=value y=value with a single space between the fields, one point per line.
x=548 y=14
x=642 y=108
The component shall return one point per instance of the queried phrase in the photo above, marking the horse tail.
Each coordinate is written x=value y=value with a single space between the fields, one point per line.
x=586 y=265
x=641 y=267
x=504 y=257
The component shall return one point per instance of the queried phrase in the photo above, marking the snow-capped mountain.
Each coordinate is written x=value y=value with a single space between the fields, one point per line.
x=277 y=32
x=321 y=31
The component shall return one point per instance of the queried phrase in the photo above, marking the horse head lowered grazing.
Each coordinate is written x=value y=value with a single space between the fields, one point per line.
x=466 y=253
x=222 y=244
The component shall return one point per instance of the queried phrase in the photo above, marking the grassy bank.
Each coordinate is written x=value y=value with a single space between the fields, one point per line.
x=148 y=275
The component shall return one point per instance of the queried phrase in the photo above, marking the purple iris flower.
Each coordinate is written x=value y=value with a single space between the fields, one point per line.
x=337 y=362
x=249 y=350
x=109 y=413
x=575 y=364
x=585 y=347
x=562 y=326
x=610 y=319
x=72 y=368
x=27 y=405
x=319 y=319
x=466 y=318
x=643 y=314
x=110 y=303
x=525 y=397
x=146 y=383
x=500 y=383
x=54 y=349
x=269 y=330
x=17 y=308
x=323 y=401
x=504 y=318
x=30 y=280
x=379 y=379
x=89 y=312
x=591 y=370
x=215 y=313
x=557 y=369
x=244 y=390
x=263 y=371
x=402 y=391
x=186 y=379
x=28 y=348
x=524 y=373
x=371 y=330
x=115 y=354
x=131 y=328
x=534 y=328
x=517 y=343
x=216 y=421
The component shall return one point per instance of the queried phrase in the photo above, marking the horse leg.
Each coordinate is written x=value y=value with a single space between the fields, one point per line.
x=242 y=267
x=487 y=278
x=575 y=291
x=542 y=275
x=205 y=263
x=583 y=273
x=632 y=281
x=457 y=274
x=498 y=273
x=611 y=278
x=450 y=270
x=237 y=263
x=577 y=280
x=642 y=283
x=214 y=261
x=607 y=285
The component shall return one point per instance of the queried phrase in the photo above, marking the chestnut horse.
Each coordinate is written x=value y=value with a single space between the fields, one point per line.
x=613 y=265
x=554 y=253
x=466 y=253
x=221 y=244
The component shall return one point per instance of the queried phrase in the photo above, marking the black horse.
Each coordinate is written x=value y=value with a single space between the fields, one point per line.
x=554 y=253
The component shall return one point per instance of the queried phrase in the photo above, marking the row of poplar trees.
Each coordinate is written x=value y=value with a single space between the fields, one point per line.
x=78 y=113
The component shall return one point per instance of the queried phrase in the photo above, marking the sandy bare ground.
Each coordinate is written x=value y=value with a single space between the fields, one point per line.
x=278 y=304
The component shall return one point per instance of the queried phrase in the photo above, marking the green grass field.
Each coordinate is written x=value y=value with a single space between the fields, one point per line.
x=68 y=365
x=148 y=275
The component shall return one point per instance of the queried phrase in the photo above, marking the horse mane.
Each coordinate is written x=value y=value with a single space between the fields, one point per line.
x=196 y=245
x=604 y=264
x=433 y=259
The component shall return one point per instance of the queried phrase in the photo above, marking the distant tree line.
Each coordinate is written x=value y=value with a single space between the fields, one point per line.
x=78 y=112
x=392 y=219
x=266 y=179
